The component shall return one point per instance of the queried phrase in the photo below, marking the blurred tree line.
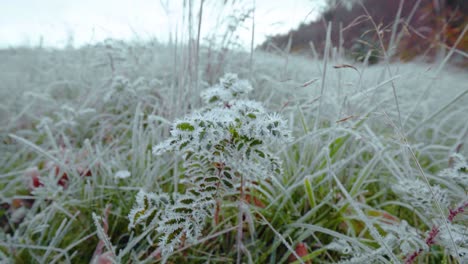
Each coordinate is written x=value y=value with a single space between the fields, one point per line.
x=424 y=28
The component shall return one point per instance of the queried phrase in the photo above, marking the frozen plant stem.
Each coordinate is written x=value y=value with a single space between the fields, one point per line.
x=387 y=57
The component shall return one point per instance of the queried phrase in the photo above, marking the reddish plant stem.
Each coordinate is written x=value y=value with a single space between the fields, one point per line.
x=240 y=222
x=220 y=168
x=216 y=213
x=457 y=211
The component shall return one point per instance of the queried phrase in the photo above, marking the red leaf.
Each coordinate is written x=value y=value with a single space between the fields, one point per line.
x=255 y=201
x=32 y=178
x=301 y=251
x=84 y=172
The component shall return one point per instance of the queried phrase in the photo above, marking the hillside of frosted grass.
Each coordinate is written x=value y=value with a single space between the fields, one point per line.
x=36 y=82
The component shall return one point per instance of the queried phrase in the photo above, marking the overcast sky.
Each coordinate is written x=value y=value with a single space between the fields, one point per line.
x=23 y=22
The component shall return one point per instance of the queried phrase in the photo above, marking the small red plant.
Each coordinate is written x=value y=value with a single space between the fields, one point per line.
x=84 y=172
x=59 y=173
x=32 y=178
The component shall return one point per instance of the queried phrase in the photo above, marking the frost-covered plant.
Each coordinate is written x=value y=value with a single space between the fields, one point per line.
x=354 y=254
x=418 y=194
x=225 y=148
x=123 y=93
x=450 y=193
x=68 y=119
x=449 y=230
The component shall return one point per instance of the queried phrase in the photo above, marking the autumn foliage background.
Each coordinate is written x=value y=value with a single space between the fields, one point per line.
x=428 y=29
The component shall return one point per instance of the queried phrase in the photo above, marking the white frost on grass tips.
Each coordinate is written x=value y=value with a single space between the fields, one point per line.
x=122 y=174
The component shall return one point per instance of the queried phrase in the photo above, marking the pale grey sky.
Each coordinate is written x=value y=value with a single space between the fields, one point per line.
x=23 y=22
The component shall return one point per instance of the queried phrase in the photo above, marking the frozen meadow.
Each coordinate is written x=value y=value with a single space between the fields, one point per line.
x=373 y=169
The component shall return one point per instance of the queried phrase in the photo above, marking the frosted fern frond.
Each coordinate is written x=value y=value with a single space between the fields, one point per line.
x=463 y=254
x=148 y=206
x=182 y=215
x=342 y=246
x=354 y=254
x=458 y=172
x=101 y=233
x=245 y=126
x=366 y=258
x=270 y=127
x=459 y=234
x=229 y=88
x=408 y=238
x=216 y=94
x=220 y=144
x=445 y=231
x=209 y=177
x=418 y=194
x=184 y=220
x=119 y=85
x=163 y=147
